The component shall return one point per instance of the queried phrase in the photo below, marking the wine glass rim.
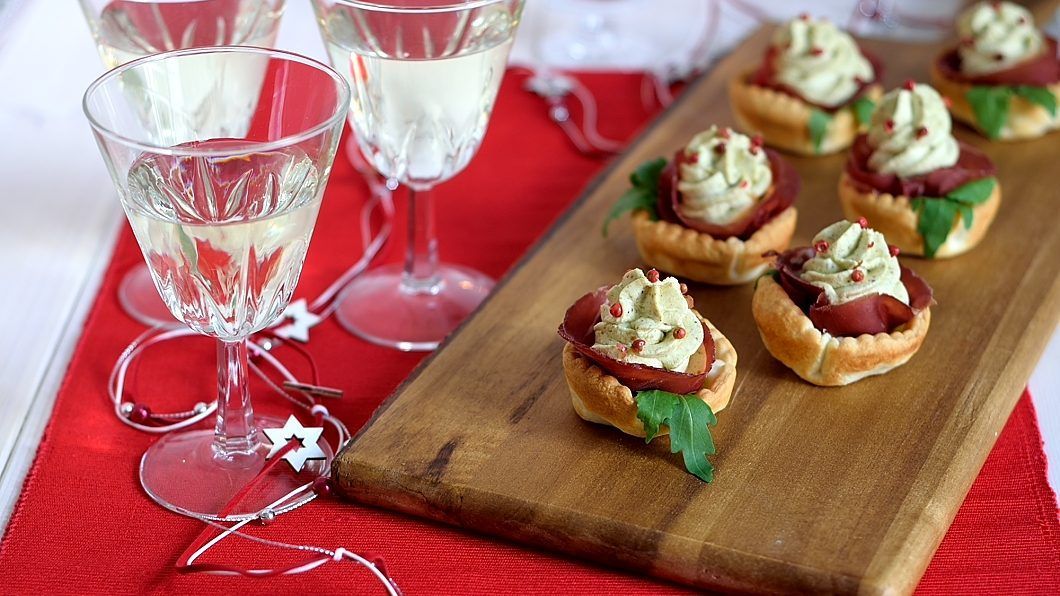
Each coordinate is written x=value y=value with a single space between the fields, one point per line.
x=249 y=146
x=442 y=6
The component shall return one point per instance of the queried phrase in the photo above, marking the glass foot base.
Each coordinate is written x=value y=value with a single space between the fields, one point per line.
x=182 y=473
x=140 y=300
x=379 y=308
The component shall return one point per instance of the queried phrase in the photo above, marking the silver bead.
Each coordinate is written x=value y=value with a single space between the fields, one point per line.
x=266 y=517
x=126 y=408
x=200 y=408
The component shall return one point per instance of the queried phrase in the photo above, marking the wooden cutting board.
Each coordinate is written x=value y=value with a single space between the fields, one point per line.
x=846 y=490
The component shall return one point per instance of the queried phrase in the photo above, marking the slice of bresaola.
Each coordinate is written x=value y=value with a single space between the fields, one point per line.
x=971 y=165
x=780 y=196
x=766 y=76
x=577 y=329
x=876 y=313
x=1039 y=71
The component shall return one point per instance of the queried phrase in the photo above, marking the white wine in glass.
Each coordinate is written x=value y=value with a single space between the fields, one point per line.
x=125 y=30
x=224 y=222
x=424 y=75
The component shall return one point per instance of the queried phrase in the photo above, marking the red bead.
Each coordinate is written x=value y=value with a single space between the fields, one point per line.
x=857 y=275
x=638 y=345
x=921 y=132
x=653 y=275
x=864 y=223
x=616 y=310
x=894 y=250
x=821 y=246
x=888 y=125
x=719 y=149
x=692 y=157
x=679 y=333
x=744 y=184
x=909 y=84
x=684 y=288
x=815 y=51
x=757 y=140
x=140 y=414
x=322 y=486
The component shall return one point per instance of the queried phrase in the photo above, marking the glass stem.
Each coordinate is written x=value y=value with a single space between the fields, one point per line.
x=235 y=432
x=421 y=253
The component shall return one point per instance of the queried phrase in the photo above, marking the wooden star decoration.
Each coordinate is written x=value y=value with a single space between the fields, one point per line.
x=299 y=319
x=309 y=437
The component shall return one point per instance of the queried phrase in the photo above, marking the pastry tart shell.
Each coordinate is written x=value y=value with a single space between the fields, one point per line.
x=601 y=398
x=1026 y=120
x=821 y=358
x=783 y=120
x=895 y=218
x=694 y=255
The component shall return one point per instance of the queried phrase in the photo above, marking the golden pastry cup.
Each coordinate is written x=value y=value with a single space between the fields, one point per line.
x=820 y=358
x=895 y=218
x=1026 y=120
x=601 y=398
x=783 y=120
x=691 y=254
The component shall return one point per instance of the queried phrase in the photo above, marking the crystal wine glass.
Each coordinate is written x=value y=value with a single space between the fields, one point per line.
x=424 y=74
x=220 y=156
x=128 y=29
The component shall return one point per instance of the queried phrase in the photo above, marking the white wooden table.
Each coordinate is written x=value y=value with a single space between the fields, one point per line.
x=59 y=217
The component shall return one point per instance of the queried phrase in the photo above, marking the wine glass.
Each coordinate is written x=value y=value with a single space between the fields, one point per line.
x=424 y=74
x=220 y=156
x=128 y=29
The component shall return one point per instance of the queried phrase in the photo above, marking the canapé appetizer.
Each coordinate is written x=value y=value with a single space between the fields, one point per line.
x=1003 y=78
x=710 y=213
x=928 y=193
x=842 y=309
x=638 y=357
x=811 y=93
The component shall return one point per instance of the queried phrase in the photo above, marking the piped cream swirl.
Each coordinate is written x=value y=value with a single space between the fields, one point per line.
x=910 y=133
x=724 y=176
x=852 y=262
x=652 y=312
x=820 y=61
x=996 y=36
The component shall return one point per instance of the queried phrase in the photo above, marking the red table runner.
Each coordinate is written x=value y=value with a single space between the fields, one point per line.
x=83 y=525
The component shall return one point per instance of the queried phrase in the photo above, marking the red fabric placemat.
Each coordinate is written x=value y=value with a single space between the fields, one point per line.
x=82 y=524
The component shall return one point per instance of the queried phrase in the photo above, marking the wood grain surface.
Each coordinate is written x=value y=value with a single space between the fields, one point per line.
x=844 y=490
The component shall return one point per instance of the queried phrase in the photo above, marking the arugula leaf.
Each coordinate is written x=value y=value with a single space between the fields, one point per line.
x=642 y=197
x=818 y=126
x=689 y=419
x=990 y=104
x=1038 y=95
x=863 y=108
x=934 y=222
x=653 y=409
x=973 y=193
x=967 y=215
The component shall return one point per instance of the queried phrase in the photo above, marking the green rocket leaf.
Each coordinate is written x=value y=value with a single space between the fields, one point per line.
x=818 y=126
x=863 y=108
x=689 y=419
x=973 y=193
x=990 y=105
x=1038 y=95
x=642 y=195
x=935 y=219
